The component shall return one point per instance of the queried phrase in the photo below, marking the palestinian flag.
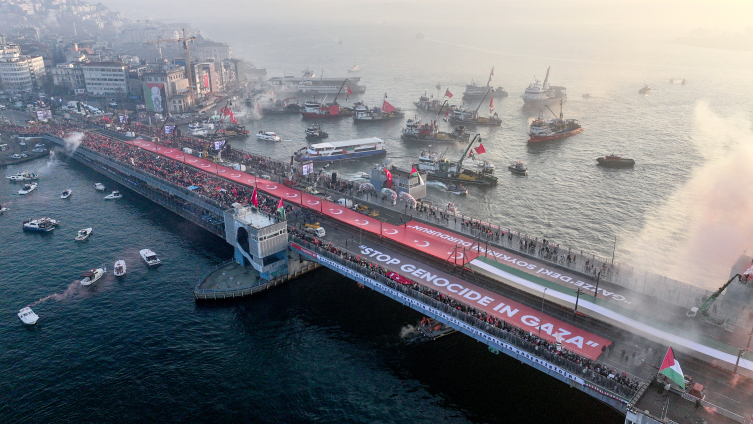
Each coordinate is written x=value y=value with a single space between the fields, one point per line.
x=281 y=209
x=414 y=173
x=671 y=368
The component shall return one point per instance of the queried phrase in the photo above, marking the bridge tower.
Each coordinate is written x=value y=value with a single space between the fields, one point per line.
x=259 y=239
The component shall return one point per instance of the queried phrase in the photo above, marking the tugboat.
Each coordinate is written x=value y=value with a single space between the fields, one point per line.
x=439 y=168
x=645 y=90
x=475 y=91
x=27 y=188
x=538 y=93
x=315 y=131
x=615 y=161
x=518 y=168
x=267 y=136
x=553 y=129
x=364 y=114
x=314 y=109
x=417 y=131
x=23 y=176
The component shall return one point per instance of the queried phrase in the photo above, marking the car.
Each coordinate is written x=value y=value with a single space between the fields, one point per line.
x=15 y=156
x=39 y=145
x=2 y=107
x=23 y=155
x=22 y=143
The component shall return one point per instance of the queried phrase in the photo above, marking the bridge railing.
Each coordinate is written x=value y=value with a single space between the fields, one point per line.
x=603 y=382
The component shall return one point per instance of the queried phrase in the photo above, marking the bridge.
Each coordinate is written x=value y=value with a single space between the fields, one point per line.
x=504 y=294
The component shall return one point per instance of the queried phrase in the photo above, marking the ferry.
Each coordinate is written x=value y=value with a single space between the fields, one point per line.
x=341 y=150
x=417 y=131
x=539 y=93
x=474 y=90
x=387 y=111
x=553 y=129
x=292 y=85
x=615 y=161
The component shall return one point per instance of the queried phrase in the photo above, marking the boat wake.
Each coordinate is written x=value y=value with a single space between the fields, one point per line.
x=438 y=184
x=73 y=289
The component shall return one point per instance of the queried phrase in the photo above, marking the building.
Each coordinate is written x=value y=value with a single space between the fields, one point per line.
x=402 y=182
x=172 y=83
x=204 y=50
x=260 y=240
x=20 y=73
x=106 y=78
x=69 y=76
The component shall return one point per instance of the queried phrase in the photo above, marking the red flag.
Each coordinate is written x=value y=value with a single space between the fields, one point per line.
x=232 y=118
x=235 y=192
x=386 y=107
x=447 y=93
x=255 y=198
x=480 y=149
x=389 y=177
x=492 y=74
x=491 y=104
x=350 y=92
x=106 y=119
x=225 y=111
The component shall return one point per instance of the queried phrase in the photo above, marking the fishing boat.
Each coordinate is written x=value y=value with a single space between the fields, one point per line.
x=469 y=117
x=28 y=316
x=315 y=131
x=120 y=268
x=417 y=131
x=27 y=188
x=538 y=93
x=439 y=168
x=475 y=90
x=341 y=150
x=114 y=195
x=553 y=129
x=267 y=136
x=83 y=234
x=66 y=193
x=615 y=161
x=150 y=258
x=645 y=90
x=92 y=276
x=40 y=225
x=518 y=168
x=23 y=176
x=99 y=186
x=386 y=112
x=354 y=68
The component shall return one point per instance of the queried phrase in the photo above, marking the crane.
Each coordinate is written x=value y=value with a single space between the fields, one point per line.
x=703 y=310
x=186 y=56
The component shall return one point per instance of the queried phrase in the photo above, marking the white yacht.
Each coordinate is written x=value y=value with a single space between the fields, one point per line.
x=114 y=195
x=120 y=268
x=28 y=316
x=538 y=94
x=99 y=186
x=150 y=258
x=268 y=136
x=23 y=176
x=83 y=234
x=27 y=188
x=92 y=276
x=66 y=193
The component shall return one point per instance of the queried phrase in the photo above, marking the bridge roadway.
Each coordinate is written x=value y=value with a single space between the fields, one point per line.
x=444 y=249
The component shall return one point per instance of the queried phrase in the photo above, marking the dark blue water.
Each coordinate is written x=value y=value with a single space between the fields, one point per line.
x=139 y=349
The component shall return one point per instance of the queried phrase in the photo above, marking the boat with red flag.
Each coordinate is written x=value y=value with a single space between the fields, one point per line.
x=365 y=114
x=553 y=129
x=418 y=131
x=315 y=109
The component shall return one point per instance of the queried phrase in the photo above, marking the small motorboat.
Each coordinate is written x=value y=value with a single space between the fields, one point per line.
x=586 y=96
x=150 y=258
x=27 y=188
x=83 y=234
x=615 y=161
x=362 y=175
x=315 y=131
x=439 y=85
x=518 y=168
x=92 y=276
x=645 y=90
x=267 y=136
x=485 y=164
x=354 y=68
x=114 y=195
x=99 y=186
x=28 y=316
x=120 y=268
x=40 y=225
x=66 y=193
x=23 y=176
x=457 y=189
x=3 y=209
x=683 y=82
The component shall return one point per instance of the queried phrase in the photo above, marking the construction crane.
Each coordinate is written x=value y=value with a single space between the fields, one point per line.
x=704 y=309
x=186 y=56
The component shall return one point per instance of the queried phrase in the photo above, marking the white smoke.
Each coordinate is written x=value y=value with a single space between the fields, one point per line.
x=702 y=228
x=73 y=141
x=51 y=19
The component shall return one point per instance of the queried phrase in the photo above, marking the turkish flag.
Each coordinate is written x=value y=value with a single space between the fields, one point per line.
x=225 y=111
x=492 y=74
x=232 y=118
x=447 y=93
x=480 y=149
x=491 y=104
x=350 y=92
x=389 y=177
x=386 y=107
x=255 y=198
x=235 y=192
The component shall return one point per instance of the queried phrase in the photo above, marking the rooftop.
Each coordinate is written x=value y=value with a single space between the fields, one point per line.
x=252 y=217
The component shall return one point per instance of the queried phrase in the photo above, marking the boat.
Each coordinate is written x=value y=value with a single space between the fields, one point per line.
x=538 y=93
x=120 y=268
x=439 y=85
x=40 y=225
x=292 y=86
x=114 y=195
x=417 y=131
x=586 y=95
x=615 y=161
x=315 y=131
x=150 y=258
x=315 y=109
x=386 y=112
x=439 y=168
x=645 y=90
x=434 y=329
x=232 y=131
x=430 y=104
x=341 y=150
x=267 y=136
x=673 y=80
x=308 y=73
x=3 y=209
x=270 y=106
x=83 y=234
x=99 y=187
x=474 y=90
x=23 y=176
x=27 y=188
x=485 y=164
x=457 y=189
x=66 y=193
x=92 y=276
x=28 y=316
x=683 y=82
x=518 y=168
x=471 y=117
x=553 y=129
x=354 y=68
